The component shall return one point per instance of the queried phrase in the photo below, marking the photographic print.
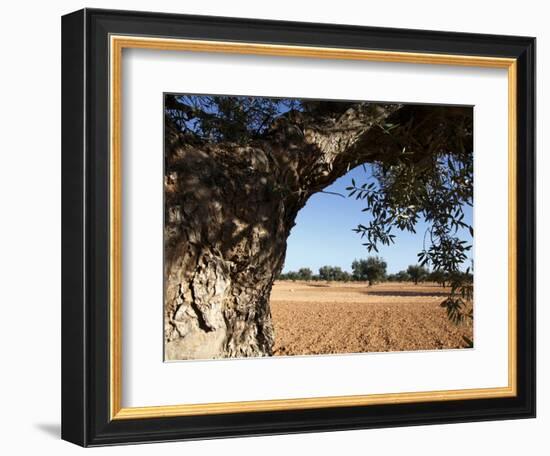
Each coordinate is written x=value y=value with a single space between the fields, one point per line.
x=316 y=227
x=296 y=199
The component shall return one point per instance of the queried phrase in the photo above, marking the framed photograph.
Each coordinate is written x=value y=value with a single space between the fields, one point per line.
x=275 y=227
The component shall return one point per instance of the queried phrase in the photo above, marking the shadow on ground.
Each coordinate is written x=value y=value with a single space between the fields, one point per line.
x=406 y=293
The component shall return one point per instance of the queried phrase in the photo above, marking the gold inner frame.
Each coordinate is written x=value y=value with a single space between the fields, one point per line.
x=117 y=44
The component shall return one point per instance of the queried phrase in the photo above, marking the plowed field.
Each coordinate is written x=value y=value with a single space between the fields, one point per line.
x=337 y=317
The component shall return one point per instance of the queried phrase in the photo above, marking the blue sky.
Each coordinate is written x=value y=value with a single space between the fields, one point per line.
x=323 y=232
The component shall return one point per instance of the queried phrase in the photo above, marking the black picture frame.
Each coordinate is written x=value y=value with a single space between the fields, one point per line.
x=86 y=416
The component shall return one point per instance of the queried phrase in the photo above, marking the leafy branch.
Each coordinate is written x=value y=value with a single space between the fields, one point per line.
x=435 y=187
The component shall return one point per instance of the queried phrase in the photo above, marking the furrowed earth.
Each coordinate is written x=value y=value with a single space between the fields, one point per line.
x=337 y=317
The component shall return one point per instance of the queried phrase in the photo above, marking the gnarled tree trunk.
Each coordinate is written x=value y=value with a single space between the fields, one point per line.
x=228 y=212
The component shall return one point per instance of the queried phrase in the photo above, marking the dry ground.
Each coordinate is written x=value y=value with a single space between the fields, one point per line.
x=338 y=317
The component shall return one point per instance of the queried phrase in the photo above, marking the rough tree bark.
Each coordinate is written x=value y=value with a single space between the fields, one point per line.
x=228 y=212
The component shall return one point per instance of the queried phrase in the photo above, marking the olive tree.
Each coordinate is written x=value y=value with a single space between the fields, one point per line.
x=239 y=169
x=332 y=273
x=439 y=277
x=417 y=273
x=305 y=274
x=373 y=269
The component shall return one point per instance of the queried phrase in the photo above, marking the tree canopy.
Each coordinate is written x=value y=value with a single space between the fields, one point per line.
x=417 y=273
x=373 y=269
x=332 y=273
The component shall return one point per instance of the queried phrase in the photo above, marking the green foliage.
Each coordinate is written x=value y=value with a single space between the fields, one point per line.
x=346 y=277
x=218 y=118
x=430 y=180
x=291 y=275
x=305 y=274
x=401 y=276
x=417 y=273
x=301 y=274
x=333 y=273
x=373 y=269
x=462 y=290
x=439 y=277
x=329 y=273
x=242 y=119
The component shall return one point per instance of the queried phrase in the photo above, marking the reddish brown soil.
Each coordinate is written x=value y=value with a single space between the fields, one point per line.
x=322 y=318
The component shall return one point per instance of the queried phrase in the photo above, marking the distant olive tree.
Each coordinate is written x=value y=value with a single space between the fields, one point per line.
x=401 y=276
x=290 y=275
x=305 y=274
x=333 y=273
x=439 y=276
x=346 y=276
x=329 y=273
x=373 y=269
x=417 y=273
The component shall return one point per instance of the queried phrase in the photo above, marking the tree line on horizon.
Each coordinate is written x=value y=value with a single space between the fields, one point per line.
x=371 y=270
